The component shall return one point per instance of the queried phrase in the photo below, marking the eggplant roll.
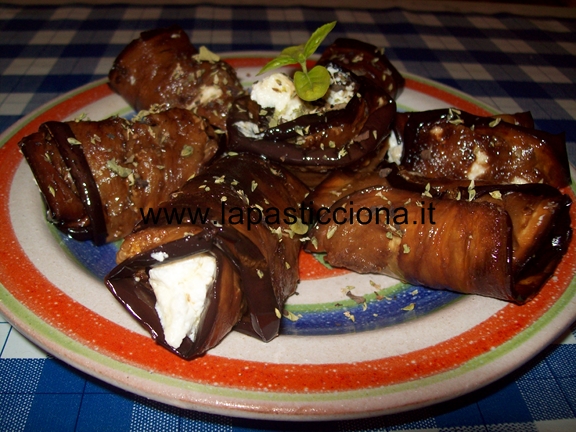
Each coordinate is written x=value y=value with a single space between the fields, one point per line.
x=162 y=67
x=340 y=183
x=453 y=144
x=367 y=60
x=241 y=217
x=344 y=129
x=499 y=241
x=97 y=176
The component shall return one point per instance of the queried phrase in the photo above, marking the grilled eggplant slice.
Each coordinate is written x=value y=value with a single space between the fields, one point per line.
x=367 y=60
x=501 y=241
x=162 y=67
x=457 y=145
x=96 y=176
x=248 y=224
x=318 y=141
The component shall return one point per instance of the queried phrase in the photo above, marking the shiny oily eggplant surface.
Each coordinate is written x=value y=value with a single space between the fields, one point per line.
x=352 y=136
x=367 y=60
x=257 y=261
x=317 y=142
x=453 y=144
x=162 y=67
x=97 y=176
x=501 y=241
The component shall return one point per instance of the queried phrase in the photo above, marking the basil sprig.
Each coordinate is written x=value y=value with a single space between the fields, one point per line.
x=310 y=85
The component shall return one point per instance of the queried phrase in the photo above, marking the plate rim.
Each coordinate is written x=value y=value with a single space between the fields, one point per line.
x=26 y=320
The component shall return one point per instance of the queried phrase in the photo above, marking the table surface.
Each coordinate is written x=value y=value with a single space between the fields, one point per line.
x=511 y=61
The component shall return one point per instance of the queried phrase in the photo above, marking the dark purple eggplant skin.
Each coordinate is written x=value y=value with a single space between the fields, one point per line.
x=367 y=60
x=536 y=251
x=87 y=194
x=337 y=138
x=442 y=144
x=256 y=253
x=472 y=256
x=88 y=200
x=548 y=250
x=274 y=187
x=138 y=299
x=127 y=282
x=161 y=68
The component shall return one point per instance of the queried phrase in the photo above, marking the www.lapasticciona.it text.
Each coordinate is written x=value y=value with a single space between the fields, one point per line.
x=255 y=215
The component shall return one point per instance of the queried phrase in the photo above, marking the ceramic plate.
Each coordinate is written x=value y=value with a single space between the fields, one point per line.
x=355 y=346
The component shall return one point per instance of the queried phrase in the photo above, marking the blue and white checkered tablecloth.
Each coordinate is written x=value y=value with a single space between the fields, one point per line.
x=510 y=61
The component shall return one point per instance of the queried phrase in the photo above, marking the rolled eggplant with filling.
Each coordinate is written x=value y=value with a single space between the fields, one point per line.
x=345 y=128
x=162 y=67
x=541 y=227
x=97 y=177
x=239 y=223
x=340 y=183
x=453 y=144
x=498 y=241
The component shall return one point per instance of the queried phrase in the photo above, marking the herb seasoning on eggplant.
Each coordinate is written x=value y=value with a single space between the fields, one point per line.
x=96 y=177
x=247 y=231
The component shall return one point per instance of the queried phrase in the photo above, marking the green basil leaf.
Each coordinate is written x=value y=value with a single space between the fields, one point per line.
x=314 y=85
x=316 y=39
x=296 y=52
x=281 y=60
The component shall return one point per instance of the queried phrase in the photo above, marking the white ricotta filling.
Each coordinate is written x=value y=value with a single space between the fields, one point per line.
x=206 y=95
x=277 y=91
x=180 y=287
x=438 y=133
x=519 y=180
x=395 y=149
x=159 y=256
x=249 y=129
x=479 y=166
x=209 y=94
x=340 y=97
